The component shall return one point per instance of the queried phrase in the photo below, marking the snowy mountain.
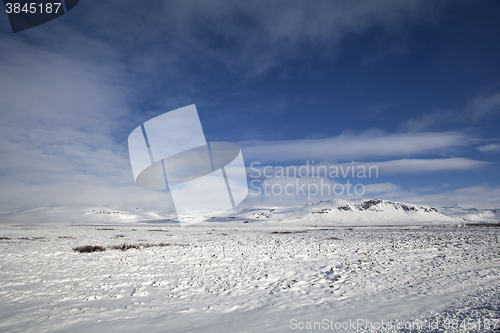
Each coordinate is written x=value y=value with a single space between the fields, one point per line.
x=335 y=211
x=473 y=215
x=369 y=212
x=73 y=215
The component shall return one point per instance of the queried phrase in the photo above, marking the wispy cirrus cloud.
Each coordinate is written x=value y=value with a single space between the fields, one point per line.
x=413 y=166
x=481 y=196
x=246 y=37
x=475 y=110
x=484 y=106
x=361 y=147
x=490 y=148
x=365 y=169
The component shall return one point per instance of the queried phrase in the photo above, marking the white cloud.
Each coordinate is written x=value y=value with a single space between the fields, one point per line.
x=485 y=105
x=249 y=37
x=432 y=120
x=405 y=166
x=490 y=148
x=61 y=118
x=364 y=146
x=364 y=169
x=481 y=197
x=380 y=188
x=474 y=110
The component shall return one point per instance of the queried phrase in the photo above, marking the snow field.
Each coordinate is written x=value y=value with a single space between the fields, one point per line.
x=248 y=278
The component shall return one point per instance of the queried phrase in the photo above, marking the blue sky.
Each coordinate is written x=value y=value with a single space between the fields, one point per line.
x=289 y=81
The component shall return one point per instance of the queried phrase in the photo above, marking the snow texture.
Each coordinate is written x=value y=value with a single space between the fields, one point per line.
x=262 y=276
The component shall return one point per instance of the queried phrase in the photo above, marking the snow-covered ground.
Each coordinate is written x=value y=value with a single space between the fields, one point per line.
x=249 y=277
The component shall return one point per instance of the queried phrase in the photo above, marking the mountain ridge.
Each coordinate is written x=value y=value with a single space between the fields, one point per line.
x=333 y=211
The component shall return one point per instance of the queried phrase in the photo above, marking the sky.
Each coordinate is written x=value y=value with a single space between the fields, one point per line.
x=412 y=87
